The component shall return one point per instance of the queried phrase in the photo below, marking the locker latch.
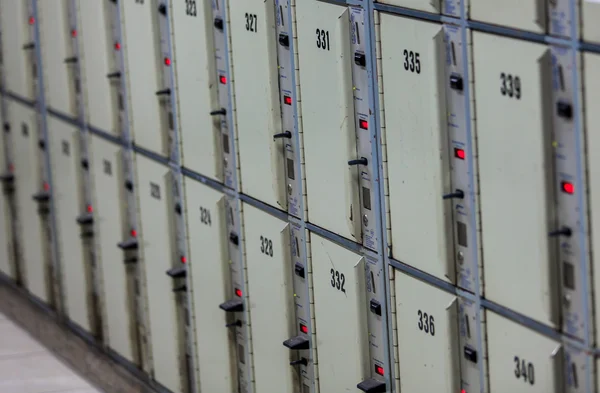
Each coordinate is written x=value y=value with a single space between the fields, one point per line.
x=85 y=219
x=130 y=244
x=297 y=343
x=456 y=82
x=372 y=386
x=131 y=260
x=116 y=74
x=181 y=288
x=177 y=272
x=234 y=238
x=375 y=307
x=360 y=161
x=234 y=305
x=284 y=40
x=43 y=196
x=164 y=92
x=221 y=111
x=360 y=59
x=470 y=354
x=564 y=231
x=459 y=194
x=71 y=60
x=219 y=23
x=564 y=110
x=299 y=270
x=237 y=323
x=285 y=134
x=28 y=46
x=301 y=361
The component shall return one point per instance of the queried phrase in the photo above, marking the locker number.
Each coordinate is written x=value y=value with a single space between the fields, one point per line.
x=266 y=246
x=251 y=24
x=190 y=8
x=511 y=85
x=524 y=369
x=338 y=280
x=205 y=216
x=426 y=322
x=412 y=62
x=323 y=39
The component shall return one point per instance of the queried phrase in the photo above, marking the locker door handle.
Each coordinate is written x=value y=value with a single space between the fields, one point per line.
x=285 y=134
x=131 y=244
x=234 y=305
x=564 y=231
x=372 y=386
x=41 y=197
x=181 y=288
x=177 y=272
x=70 y=60
x=7 y=178
x=456 y=194
x=456 y=82
x=221 y=111
x=360 y=161
x=162 y=9
x=164 y=92
x=116 y=74
x=85 y=219
x=218 y=24
x=297 y=343
x=28 y=46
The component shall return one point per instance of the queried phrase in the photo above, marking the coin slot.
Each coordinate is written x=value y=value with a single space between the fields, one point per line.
x=226 y=143
x=290 y=169
x=568 y=275
x=366 y=198
x=461 y=234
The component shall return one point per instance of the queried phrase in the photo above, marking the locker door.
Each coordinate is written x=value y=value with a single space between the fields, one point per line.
x=521 y=360
x=340 y=313
x=5 y=220
x=328 y=117
x=592 y=122
x=155 y=188
x=109 y=214
x=422 y=5
x=64 y=145
x=196 y=88
x=416 y=134
x=531 y=15
x=210 y=278
x=96 y=47
x=271 y=295
x=53 y=34
x=590 y=12
x=427 y=337
x=142 y=52
x=254 y=54
x=17 y=68
x=515 y=171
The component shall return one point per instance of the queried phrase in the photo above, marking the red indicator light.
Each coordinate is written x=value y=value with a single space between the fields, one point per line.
x=363 y=124
x=183 y=259
x=117 y=46
x=238 y=292
x=46 y=186
x=223 y=79
x=379 y=370
x=167 y=61
x=287 y=100
x=89 y=208
x=133 y=233
x=459 y=153
x=567 y=187
x=304 y=328
x=463 y=391
x=31 y=20
x=73 y=33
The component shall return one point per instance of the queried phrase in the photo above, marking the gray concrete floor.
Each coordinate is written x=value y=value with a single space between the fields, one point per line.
x=28 y=367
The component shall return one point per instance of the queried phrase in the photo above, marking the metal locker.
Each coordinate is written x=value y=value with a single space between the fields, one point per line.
x=63 y=140
x=269 y=269
x=531 y=15
x=109 y=220
x=421 y=5
x=6 y=258
x=200 y=132
x=210 y=278
x=413 y=71
x=428 y=349
x=340 y=314
x=16 y=56
x=155 y=189
x=521 y=360
x=513 y=115
x=327 y=117
x=262 y=139
x=590 y=12
x=27 y=184
x=56 y=55
x=591 y=64
x=142 y=51
x=97 y=64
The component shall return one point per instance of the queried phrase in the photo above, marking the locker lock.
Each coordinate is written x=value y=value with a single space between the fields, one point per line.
x=375 y=307
x=284 y=40
x=41 y=197
x=42 y=144
x=177 y=272
x=564 y=110
x=285 y=134
x=360 y=161
x=301 y=361
x=456 y=194
x=470 y=354
x=85 y=219
x=6 y=127
x=129 y=185
x=456 y=82
x=131 y=260
x=234 y=238
x=372 y=386
x=219 y=23
x=71 y=60
x=237 y=323
x=297 y=343
x=299 y=270
x=178 y=208
x=360 y=59
x=116 y=74
x=162 y=9
x=28 y=46
x=234 y=305
x=564 y=231
x=221 y=111
x=181 y=288
x=130 y=244
x=85 y=164
x=164 y=92
x=7 y=178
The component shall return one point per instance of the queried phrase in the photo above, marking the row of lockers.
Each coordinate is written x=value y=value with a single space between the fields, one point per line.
x=258 y=97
